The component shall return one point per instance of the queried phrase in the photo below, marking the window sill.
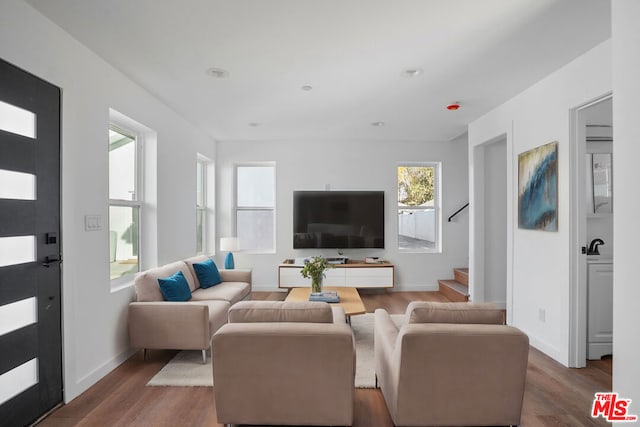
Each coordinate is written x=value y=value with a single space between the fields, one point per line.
x=419 y=251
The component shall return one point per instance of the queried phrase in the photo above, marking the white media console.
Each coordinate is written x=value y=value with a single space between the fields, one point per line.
x=355 y=274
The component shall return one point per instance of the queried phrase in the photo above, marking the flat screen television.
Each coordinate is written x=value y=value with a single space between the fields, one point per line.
x=338 y=219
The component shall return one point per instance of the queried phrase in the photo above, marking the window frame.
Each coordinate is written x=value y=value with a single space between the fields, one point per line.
x=204 y=164
x=138 y=200
x=237 y=208
x=437 y=206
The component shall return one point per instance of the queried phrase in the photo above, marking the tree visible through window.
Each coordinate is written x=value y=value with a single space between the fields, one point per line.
x=415 y=185
x=418 y=209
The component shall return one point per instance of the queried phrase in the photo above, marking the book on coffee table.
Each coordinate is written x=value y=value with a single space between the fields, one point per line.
x=325 y=296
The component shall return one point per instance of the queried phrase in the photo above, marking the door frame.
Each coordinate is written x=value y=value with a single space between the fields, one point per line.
x=477 y=214
x=578 y=234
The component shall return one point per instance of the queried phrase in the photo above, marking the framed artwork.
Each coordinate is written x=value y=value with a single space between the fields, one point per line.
x=538 y=188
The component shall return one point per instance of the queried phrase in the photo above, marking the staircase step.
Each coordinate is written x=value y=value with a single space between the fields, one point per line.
x=453 y=290
x=461 y=275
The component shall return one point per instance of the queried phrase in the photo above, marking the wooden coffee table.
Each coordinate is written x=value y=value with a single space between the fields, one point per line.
x=350 y=299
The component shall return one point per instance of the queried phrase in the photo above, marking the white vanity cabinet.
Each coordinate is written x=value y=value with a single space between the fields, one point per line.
x=599 y=309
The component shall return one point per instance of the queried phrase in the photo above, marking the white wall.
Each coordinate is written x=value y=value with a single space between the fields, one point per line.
x=626 y=175
x=539 y=278
x=350 y=165
x=95 y=335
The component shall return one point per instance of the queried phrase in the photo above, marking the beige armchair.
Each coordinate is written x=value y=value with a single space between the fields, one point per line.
x=451 y=364
x=284 y=363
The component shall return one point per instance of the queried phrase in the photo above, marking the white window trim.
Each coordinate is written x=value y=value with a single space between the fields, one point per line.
x=437 y=207
x=207 y=247
x=236 y=208
x=123 y=281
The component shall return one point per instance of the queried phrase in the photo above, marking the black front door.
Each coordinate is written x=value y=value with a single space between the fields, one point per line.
x=30 y=307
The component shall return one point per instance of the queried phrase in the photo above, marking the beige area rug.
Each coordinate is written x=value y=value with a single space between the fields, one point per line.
x=187 y=369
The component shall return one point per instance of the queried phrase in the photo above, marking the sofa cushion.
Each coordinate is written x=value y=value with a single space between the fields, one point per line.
x=190 y=262
x=231 y=292
x=175 y=287
x=280 y=311
x=207 y=273
x=147 y=288
x=453 y=312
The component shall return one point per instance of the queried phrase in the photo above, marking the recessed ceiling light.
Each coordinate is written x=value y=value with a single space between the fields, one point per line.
x=377 y=124
x=412 y=72
x=255 y=124
x=217 y=73
x=306 y=88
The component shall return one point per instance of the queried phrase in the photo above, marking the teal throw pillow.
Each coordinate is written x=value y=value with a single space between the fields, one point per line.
x=207 y=273
x=175 y=288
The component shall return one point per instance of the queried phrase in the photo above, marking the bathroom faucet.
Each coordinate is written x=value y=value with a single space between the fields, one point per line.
x=593 y=247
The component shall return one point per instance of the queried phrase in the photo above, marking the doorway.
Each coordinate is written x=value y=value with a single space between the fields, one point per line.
x=490 y=244
x=30 y=307
x=592 y=205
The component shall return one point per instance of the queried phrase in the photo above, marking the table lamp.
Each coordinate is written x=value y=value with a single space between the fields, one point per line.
x=229 y=244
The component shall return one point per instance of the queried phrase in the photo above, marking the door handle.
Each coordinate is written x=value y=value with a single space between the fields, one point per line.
x=51 y=260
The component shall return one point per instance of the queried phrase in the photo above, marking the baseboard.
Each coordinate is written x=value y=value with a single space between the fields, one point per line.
x=547 y=349
x=83 y=384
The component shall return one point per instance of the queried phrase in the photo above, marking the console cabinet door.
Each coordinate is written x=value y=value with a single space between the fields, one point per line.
x=290 y=277
x=334 y=277
x=370 y=277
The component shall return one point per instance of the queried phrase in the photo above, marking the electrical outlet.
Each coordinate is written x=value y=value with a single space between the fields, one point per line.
x=542 y=315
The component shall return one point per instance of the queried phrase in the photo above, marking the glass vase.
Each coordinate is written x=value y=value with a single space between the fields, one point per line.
x=316 y=284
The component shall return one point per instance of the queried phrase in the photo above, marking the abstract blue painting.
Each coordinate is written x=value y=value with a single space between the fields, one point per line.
x=538 y=188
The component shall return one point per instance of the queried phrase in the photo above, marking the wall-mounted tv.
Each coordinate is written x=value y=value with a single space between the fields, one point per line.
x=338 y=219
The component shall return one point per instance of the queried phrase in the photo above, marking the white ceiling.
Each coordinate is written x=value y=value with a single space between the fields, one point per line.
x=353 y=53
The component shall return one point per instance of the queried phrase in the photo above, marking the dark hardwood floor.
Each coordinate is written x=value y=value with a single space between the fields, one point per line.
x=554 y=395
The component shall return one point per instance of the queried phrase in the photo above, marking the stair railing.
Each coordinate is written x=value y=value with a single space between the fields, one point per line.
x=457 y=212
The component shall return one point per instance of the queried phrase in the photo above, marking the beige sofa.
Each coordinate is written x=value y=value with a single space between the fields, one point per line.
x=451 y=364
x=158 y=324
x=284 y=363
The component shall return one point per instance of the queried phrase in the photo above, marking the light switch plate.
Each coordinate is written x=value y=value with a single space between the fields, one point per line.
x=92 y=222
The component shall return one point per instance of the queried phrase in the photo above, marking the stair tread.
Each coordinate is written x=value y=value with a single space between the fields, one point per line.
x=456 y=286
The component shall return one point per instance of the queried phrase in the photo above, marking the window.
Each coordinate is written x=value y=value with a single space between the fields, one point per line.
x=202 y=221
x=125 y=202
x=255 y=207
x=419 y=207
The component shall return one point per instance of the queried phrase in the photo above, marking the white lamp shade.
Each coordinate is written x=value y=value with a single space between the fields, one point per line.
x=229 y=244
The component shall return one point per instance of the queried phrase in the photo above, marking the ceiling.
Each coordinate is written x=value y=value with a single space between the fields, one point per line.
x=353 y=53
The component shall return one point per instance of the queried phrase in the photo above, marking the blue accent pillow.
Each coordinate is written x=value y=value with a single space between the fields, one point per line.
x=207 y=273
x=175 y=288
